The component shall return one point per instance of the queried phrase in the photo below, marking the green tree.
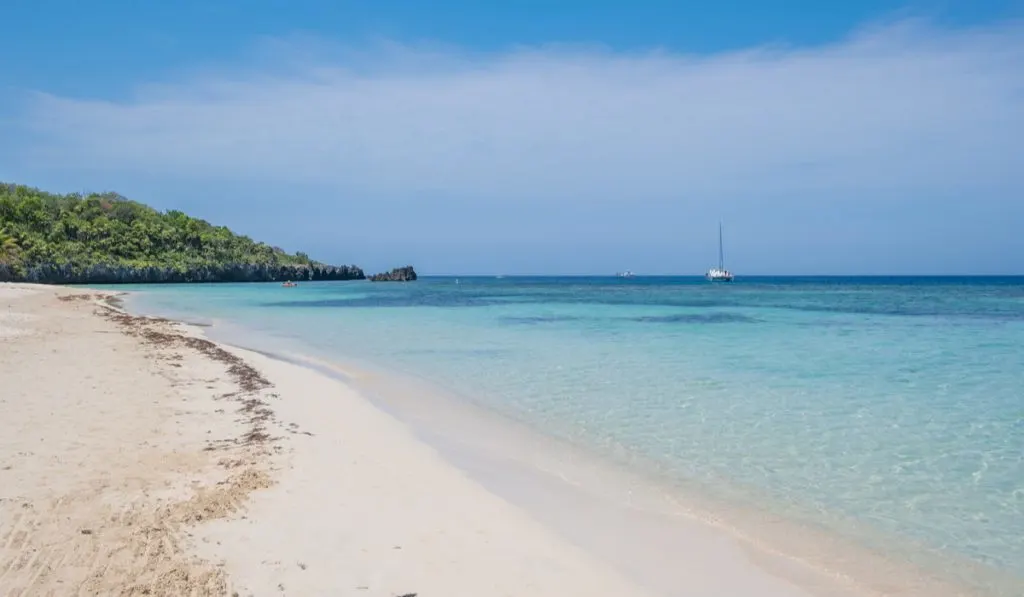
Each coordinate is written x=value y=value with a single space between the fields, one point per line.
x=81 y=231
x=9 y=248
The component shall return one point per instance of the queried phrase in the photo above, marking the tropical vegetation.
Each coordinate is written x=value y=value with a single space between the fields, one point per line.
x=77 y=232
x=9 y=248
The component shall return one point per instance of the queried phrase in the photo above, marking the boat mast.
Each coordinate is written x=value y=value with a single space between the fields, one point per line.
x=721 y=258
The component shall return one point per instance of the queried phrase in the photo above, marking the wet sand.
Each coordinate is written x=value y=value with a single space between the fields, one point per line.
x=138 y=457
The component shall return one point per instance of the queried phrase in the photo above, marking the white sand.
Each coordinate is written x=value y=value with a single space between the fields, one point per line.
x=124 y=470
x=364 y=506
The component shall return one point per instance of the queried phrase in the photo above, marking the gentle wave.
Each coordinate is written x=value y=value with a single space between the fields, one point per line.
x=890 y=405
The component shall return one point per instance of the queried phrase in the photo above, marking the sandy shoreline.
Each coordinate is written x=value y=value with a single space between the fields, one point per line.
x=138 y=457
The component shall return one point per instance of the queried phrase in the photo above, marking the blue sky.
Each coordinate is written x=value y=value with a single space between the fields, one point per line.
x=542 y=137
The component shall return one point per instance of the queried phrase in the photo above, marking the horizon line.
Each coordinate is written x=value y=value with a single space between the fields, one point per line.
x=975 y=275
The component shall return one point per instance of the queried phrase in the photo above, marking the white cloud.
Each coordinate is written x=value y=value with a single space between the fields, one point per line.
x=902 y=108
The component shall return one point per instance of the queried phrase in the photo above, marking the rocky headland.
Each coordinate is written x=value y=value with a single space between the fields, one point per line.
x=104 y=238
x=399 y=274
x=50 y=273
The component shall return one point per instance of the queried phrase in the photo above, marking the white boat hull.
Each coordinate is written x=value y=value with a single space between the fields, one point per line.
x=719 y=275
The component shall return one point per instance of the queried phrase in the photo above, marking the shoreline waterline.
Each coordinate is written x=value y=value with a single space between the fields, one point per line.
x=141 y=454
x=555 y=479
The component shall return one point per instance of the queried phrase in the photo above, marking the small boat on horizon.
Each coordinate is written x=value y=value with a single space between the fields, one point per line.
x=289 y=284
x=626 y=274
x=719 y=274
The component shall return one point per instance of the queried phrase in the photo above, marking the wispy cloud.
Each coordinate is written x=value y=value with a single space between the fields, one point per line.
x=897 y=113
x=903 y=107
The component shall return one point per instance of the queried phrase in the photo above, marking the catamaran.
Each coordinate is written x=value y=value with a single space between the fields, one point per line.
x=719 y=274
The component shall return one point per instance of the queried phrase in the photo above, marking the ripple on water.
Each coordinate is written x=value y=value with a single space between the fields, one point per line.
x=894 y=406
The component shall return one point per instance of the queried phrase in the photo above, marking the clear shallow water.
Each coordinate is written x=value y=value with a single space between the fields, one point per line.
x=895 y=405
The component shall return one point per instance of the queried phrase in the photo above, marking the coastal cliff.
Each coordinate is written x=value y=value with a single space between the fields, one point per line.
x=399 y=274
x=107 y=239
x=123 y=274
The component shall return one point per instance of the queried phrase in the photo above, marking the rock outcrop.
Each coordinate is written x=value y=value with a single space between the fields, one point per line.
x=121 y=274
x=399 y=274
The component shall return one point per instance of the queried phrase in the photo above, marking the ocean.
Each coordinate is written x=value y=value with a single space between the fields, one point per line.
x=887 y=411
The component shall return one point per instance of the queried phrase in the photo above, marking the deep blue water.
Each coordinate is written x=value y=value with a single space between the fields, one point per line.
x=894 y=404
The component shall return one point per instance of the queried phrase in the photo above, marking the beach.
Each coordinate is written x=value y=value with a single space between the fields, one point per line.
x=138 y=457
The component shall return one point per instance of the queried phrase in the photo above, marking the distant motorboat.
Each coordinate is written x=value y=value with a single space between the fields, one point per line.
x=719 y=274
x=289 y=284
x=626 y=274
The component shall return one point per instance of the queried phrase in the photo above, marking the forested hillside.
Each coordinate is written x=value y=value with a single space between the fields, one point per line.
x=106 y=238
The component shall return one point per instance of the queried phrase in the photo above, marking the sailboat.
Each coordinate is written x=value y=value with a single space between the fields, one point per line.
x=719 y=274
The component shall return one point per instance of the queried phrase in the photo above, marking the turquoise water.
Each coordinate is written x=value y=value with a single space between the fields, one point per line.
x=892 y=405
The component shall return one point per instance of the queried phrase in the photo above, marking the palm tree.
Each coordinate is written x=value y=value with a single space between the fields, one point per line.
x=8 y=246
